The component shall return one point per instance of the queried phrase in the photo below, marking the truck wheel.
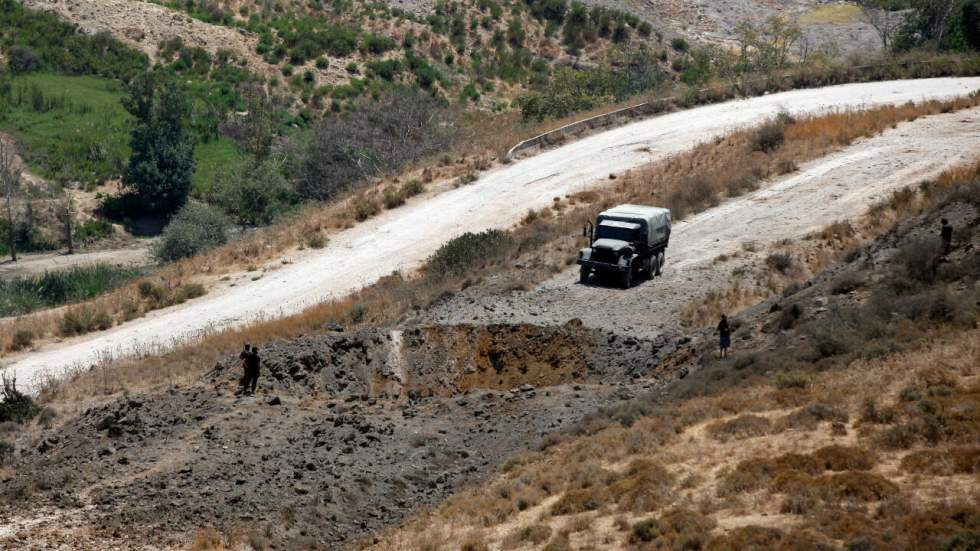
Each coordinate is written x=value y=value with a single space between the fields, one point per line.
x=660 y=263
x=583 y=275
x=627 y=279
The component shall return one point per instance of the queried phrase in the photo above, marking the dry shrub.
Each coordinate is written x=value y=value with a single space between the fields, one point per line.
x=872 y=413
x=934 y=412
x=850 y=485
x=535 y=534
x=809 y=417
x=792 y=379
x=474 y=542
x=757 y=473
x=965 y=460
x=675 y=529
x=845 y=458
x=645 y=487
x=743 y=426
x=770 y=136
x=747 y=537
x=208 y=539
x=580 y=501
x=847 y=283
x=779 y=262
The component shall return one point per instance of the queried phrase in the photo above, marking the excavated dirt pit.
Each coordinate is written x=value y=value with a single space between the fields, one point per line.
x=349 y=433
x=444 y=360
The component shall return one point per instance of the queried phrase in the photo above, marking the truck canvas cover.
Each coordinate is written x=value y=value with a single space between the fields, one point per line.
x=655 y=220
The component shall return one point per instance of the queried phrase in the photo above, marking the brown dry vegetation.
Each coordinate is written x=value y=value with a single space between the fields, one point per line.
x=866 y=444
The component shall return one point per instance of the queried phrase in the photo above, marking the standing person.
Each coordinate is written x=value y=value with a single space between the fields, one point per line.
x=243 y=356
x=252 y=362
x=724 y=335
x=946 y=232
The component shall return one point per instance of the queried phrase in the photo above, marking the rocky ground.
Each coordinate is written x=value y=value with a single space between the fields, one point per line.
x=348 y=434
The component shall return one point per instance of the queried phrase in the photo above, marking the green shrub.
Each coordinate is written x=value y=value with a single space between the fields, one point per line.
x=189 y=291
x=680 y=44
x=93 y=230
x=39 y=39
x=469 y=252
x=364 y=208
x=316 y=241
x=645 y=530
x=84 y=319
x=412 y=188
x=195 y=228
x=253 y=195
x=393 y=198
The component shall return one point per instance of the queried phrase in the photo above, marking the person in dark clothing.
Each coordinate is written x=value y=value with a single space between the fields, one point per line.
x=725 y=335
x=241 y=356
x=946 y=232
x=251 y=361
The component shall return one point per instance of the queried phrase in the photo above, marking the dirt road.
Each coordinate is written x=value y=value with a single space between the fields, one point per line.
x=840 y=186
x=403 y=238
x=36 y=263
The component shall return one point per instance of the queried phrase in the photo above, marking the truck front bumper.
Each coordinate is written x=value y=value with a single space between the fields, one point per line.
x=602 y=266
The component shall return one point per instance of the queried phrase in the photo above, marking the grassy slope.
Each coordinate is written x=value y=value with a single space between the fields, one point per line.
x=66 y=141
x=86 y=140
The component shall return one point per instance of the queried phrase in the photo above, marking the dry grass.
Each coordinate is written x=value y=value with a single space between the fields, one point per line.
x=810 y=484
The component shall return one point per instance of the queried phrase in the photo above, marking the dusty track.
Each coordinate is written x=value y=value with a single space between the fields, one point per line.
x=836 y=187
x=403 y=238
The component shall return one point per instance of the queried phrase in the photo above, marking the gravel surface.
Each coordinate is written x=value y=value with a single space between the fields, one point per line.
x=406 y=236
x=836 y=187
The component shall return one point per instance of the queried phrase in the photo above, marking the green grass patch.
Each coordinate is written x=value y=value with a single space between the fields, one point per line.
x=69 y=127
x=21 y=295
x=214 y=159
x=75 y=127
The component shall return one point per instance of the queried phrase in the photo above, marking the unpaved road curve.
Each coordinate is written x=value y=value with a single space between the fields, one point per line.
x=403 y=238
x=839 y=186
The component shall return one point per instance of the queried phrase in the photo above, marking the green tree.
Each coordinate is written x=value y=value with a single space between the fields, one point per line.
x=254 y=194
x=162 y=161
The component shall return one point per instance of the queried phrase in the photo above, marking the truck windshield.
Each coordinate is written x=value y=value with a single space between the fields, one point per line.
x=605 y=231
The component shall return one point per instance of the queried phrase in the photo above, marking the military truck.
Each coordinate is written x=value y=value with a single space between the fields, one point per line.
x=627 y=241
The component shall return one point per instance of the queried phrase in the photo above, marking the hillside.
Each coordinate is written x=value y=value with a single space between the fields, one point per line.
x=332 y=182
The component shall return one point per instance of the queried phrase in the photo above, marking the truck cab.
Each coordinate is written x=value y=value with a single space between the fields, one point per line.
x=628 y=241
